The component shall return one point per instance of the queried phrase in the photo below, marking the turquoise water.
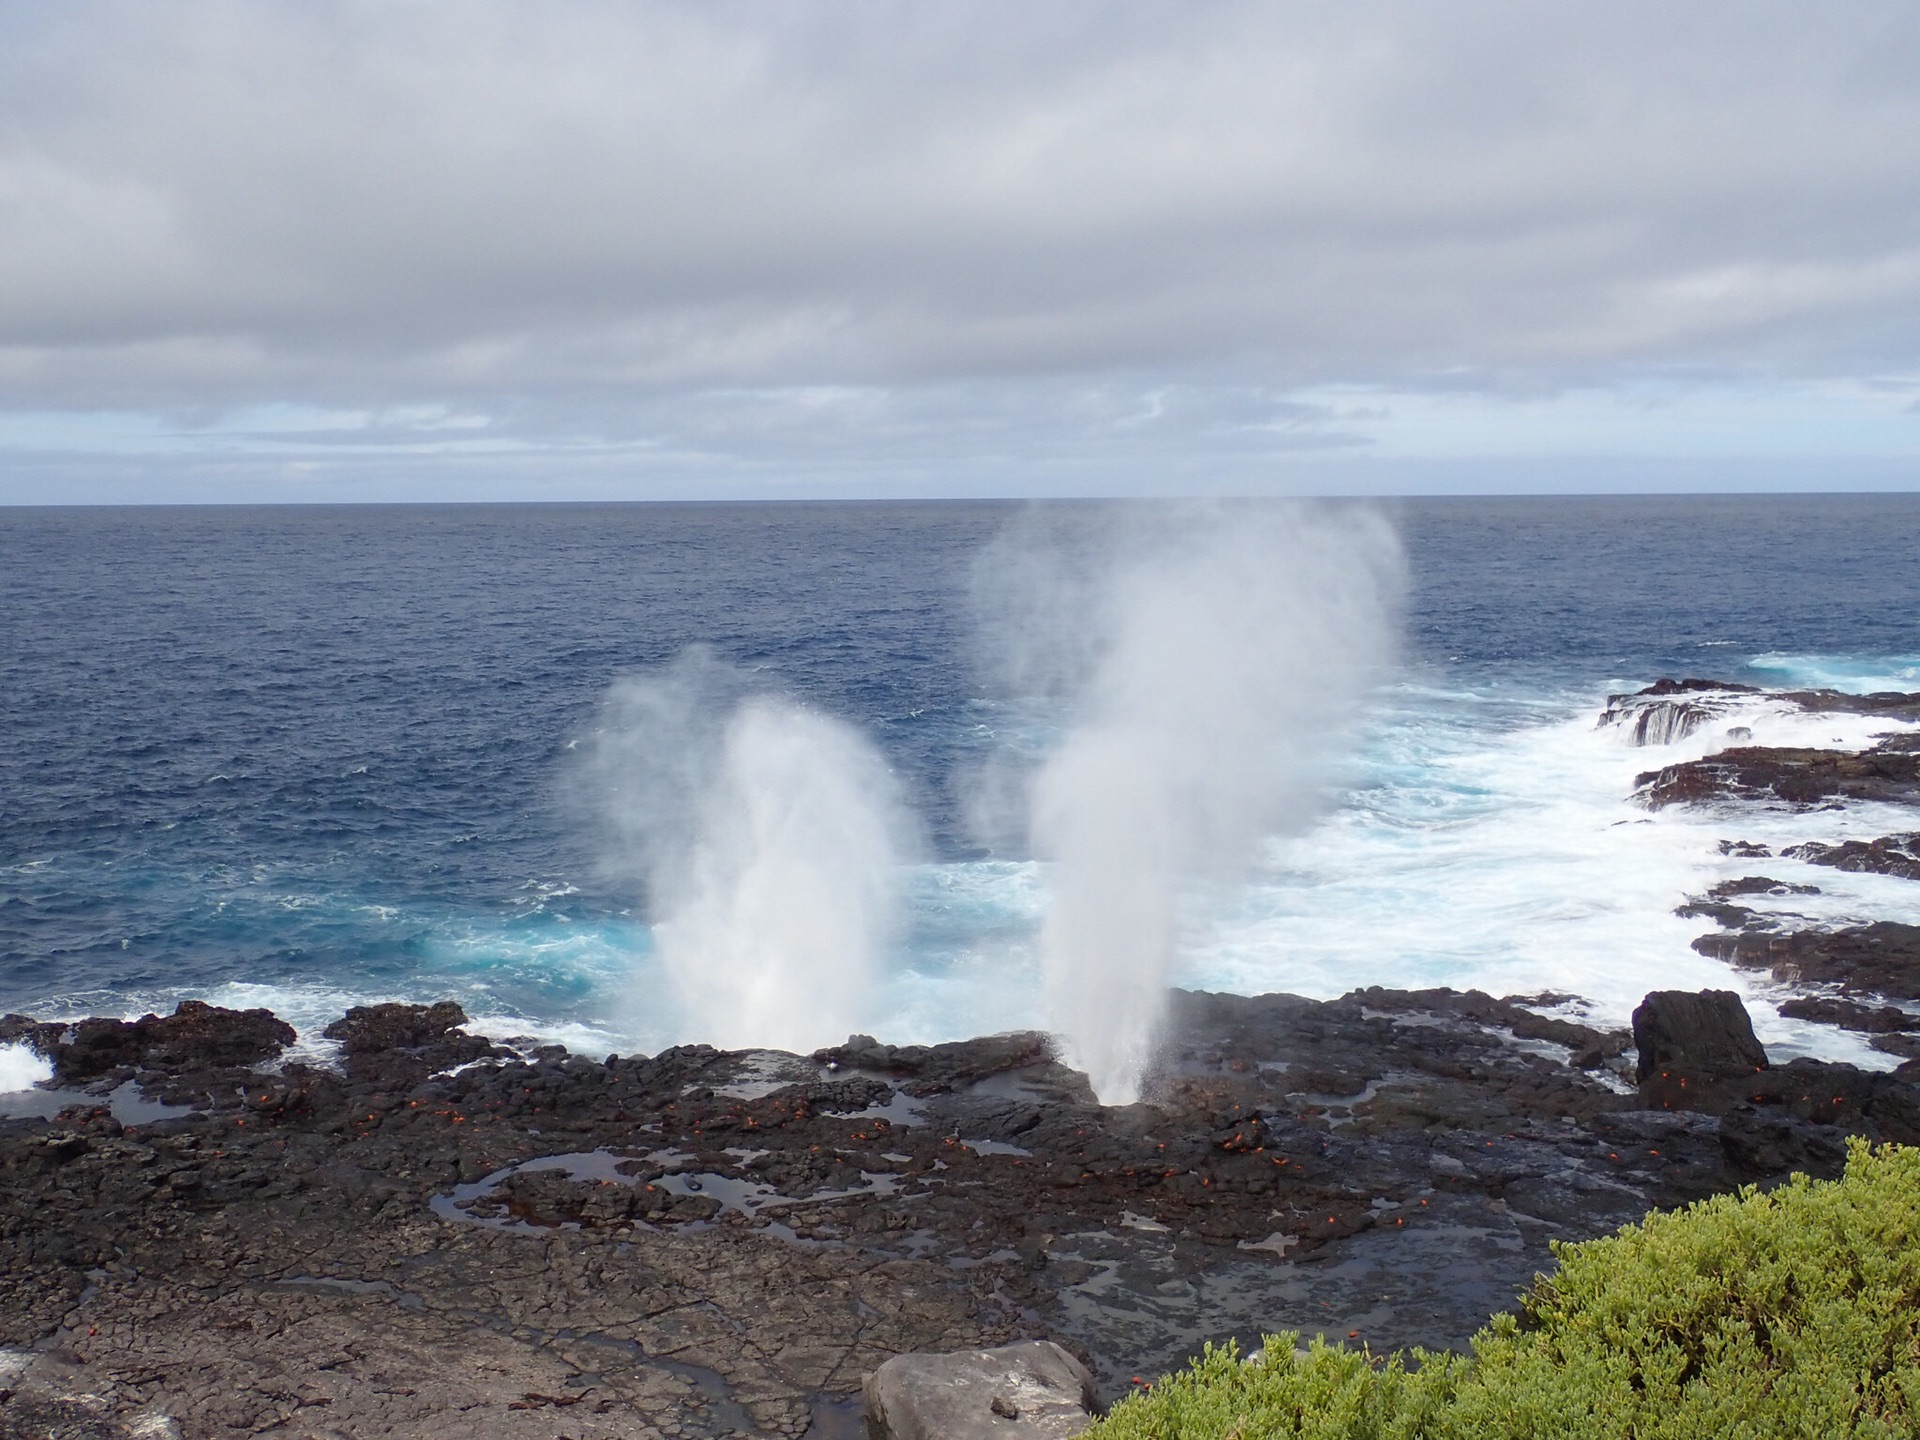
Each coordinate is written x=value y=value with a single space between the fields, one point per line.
x=308 y=757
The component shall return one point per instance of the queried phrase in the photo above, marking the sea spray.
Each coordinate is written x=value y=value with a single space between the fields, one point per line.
x=768 y=838
x=21 y=1068
x=1209 y=659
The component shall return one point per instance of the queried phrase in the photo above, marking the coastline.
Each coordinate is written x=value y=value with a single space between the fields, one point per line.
x=707 y=1238
x=446 y=1235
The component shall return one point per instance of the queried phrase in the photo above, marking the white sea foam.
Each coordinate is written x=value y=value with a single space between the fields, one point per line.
x=1514 y=861
x=21 y=1068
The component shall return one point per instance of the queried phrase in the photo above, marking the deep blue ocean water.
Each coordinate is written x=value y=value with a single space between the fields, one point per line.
x=306 y=756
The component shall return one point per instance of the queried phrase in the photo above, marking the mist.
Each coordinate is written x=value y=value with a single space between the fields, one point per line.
x=1209 y=662
x=21 y=1068
x=767 y=838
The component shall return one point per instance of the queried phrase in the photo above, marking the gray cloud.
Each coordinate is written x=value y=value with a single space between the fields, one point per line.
x=863 y=226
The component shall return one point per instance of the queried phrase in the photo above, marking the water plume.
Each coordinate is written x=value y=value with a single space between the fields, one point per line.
x=1209 y=659
x=768 y=838
x=21 y=1068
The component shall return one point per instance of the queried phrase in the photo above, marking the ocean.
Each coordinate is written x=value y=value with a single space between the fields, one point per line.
x=308 y=757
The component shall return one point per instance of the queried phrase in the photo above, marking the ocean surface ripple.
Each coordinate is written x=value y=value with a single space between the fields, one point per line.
x=311 y=757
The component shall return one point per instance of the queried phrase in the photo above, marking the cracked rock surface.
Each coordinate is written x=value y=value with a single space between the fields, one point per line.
x=450 y=1237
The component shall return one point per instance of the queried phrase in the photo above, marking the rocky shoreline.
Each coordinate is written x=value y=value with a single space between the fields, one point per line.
x=451 y=1234
x=441 y=1234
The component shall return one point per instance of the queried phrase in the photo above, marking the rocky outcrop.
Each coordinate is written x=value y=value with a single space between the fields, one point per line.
x=712 y=1242
x=197 y=1037
x=1888 y=772
x=1865 y=963
x=1035 y=1390
x=1671 y=710
x=1849 y=1014
x=1758 y=885
x=1889 y=855
x=1887 y=704
x=368 y=1028
x=1692 y=685
x=1698 y=1053
x=1879 y=959
x=937 y=1069
x=393 y=1044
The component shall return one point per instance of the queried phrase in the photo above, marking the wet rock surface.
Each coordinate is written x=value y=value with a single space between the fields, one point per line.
x=1670 y=710
x=196 y=1037
x=701 y=1242
x=1890 y=771
x=1850 y=1014
x=1889 y=855
x=1881 y=959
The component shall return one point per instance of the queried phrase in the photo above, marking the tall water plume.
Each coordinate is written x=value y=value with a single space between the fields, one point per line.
x=768 y=838
x=1210 y=659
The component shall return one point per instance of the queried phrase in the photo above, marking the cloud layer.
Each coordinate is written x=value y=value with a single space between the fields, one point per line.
x=728 y=228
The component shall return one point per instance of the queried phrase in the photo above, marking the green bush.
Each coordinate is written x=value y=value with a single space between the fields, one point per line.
x=1794 y=1312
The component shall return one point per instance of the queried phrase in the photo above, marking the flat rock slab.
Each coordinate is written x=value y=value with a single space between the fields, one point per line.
x=1031 y=1391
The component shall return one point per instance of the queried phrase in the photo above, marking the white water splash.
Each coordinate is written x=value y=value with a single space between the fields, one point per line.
x=21 y=1068
x=769 y=838
x=1212 y=658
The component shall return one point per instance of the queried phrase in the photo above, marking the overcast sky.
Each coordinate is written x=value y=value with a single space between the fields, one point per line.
x=423 y=250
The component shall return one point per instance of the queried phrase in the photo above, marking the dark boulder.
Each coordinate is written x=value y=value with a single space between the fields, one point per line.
x=1758 y=885
x=1689 y=1041
x=1896 y=1105
x=1707 y=1034
x=392 y=1046
x=42 y=1037
x=198 y=1035
x=366 y=1029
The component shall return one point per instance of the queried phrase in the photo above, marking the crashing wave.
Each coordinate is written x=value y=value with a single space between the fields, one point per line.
x=1668 y=711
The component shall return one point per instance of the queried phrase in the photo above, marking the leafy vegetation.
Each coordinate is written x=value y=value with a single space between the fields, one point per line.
x=1794 y=1312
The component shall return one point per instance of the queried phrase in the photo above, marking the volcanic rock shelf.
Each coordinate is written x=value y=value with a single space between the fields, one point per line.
x=447 y=1236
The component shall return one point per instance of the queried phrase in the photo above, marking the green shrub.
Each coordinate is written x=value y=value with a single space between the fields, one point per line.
x=1790 y=1313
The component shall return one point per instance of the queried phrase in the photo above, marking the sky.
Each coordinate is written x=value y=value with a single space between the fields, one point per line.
x=489 y=250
